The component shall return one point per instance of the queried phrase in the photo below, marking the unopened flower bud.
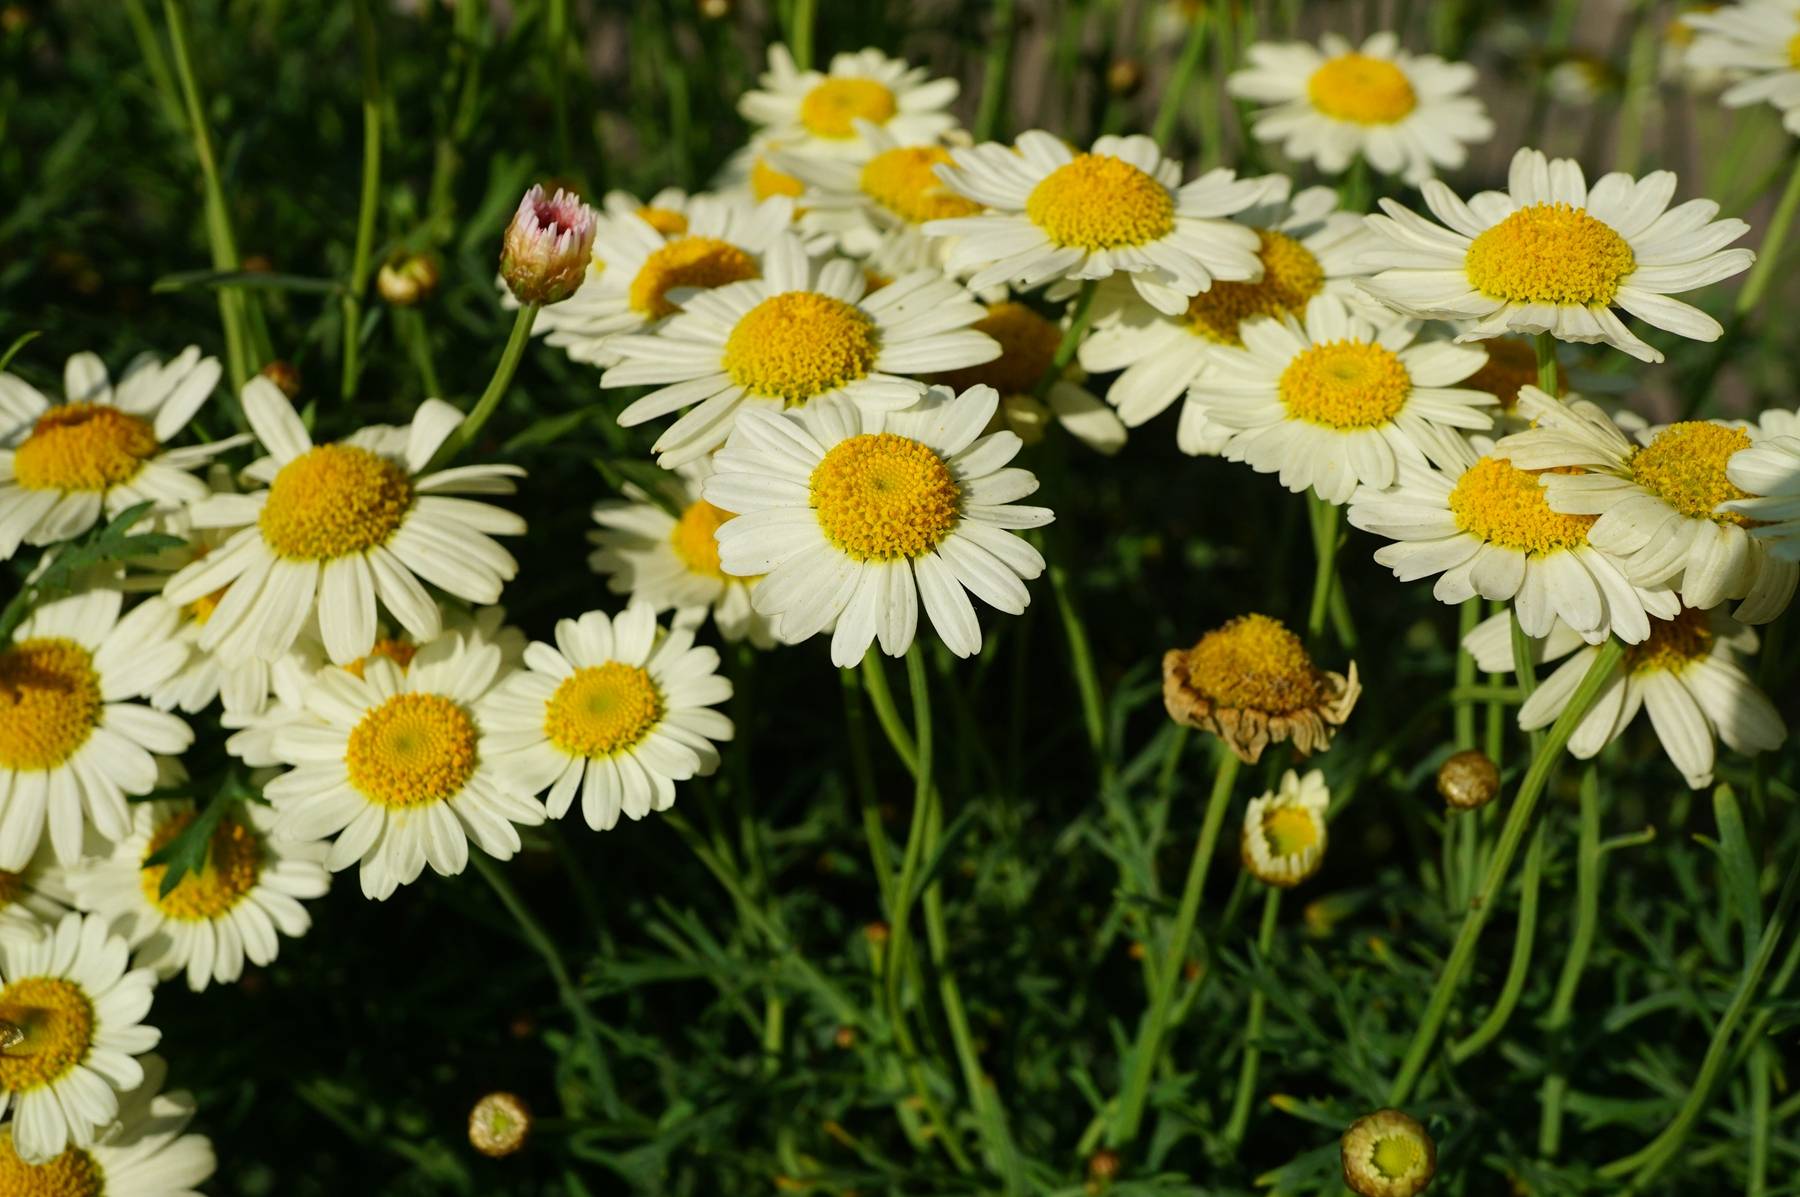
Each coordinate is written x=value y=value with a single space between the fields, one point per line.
x=1388 y=1154
x=714 y=10
x=1104 y=1164
x=1468 y=779
x=257 y=264
x=407 y=279
x=844 y=1038
x=876 y=933
x=1124 y=77
x=545 y=254
x=499 y=1124
x=285 y=376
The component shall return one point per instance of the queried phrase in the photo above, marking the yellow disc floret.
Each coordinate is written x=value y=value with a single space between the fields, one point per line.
x=233 y=863
x=1289 y=830
x=687 y=262
x=83 y=446
x=400 y=652
x=832 y=108
x=49 y=702
x=58 y=1020
x=1550 y=254
x=1027 y=346
x=798 y=345
x=883 y=497
x=1291 y=276
x=902 y=181
x=600 y=710
x=1361 y=89
x=1793 y=51
x=1502 y=504
x=412 y=750
x=1673 y=644
x=333 y=501
x=1098 y=201
x=1345 y=385
x=74 y=1173
x=666 y=221
x=1684 y=466
x=1255 y=663
x=696 y=537
x=766 y=181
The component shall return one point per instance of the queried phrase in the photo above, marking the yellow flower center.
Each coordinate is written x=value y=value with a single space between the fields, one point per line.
x=602 y=709
x=881 y=497
x=1345 y=384
x=1505 y=505
x=333 y=501
x=1684 y=466
x=412 y=750
x=1291 y=276
x=400 y=652
x=696 y=537
x=902 y=181
x=1255 y=663
x=666 y=221
x=49 y=702
x=1289 y=831
x=202 y=608
x=1550 y=254
x=1511 y=364
x=1396 y=1157
x=1673 y=644
x=58 y=1021
x=1367 y=91
x=687 y=262
x=831 y=108
x=766 y=181
x=233 y=863
x=1027 y=346
x=798 y=345
x=83 y=446
x=1793 y=51
x=74 y=1173
x=1101 y=202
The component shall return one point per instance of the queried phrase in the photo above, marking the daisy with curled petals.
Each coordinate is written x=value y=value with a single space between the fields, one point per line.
x=1306 y=247
x=1405 y=114
x=72 y=740
x=1120 y=208
x=1485 y=527
x=818 y=113
x=856 y=518
x=215 y=918
x=1686 y=674
x=1551 y=254
x=1658 y=500
x=1769 y=474
x=142 y=1154
x=670 y=558
x=1757 y=46
x=1338 y=401
x=1283 y=842
x=397 y=766
x=82 y=1014
x=804 y=332
x=102 y=448
x=342 y=526
x=616 y=710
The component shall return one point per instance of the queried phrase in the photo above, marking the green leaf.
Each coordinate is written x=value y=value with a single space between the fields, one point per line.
x=12 y=350
x=264 y=280
x=1738 y=864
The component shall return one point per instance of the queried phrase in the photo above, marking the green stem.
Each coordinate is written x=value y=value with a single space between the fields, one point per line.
x=1508 y=1001
x=370 y=198
x=167 y=94
x=411 y=326
x=805 y=17
x=1760 y=1067
x=469 y=429
x=1545 y=344
x=1640 y=90
x=556 y=44
x=1081 y=315
x=1326 y=518
x=1468 y=614
x=1241 y=1101
x=1192 y=50
x=1588 y=861
x=1081 y=659
x=997 y=72
x=1768 y=255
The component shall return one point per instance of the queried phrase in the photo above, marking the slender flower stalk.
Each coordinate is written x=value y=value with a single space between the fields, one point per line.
x=1175 y=92
x=1245 y=1095
x=1768 y=255
x=370 y=197
x=997 y=74
x=1524 y=938
x=1326 y=519
x=469 y=429
x=1588 y=861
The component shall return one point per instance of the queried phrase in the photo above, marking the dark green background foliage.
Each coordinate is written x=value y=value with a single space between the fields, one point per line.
x=349 y=1067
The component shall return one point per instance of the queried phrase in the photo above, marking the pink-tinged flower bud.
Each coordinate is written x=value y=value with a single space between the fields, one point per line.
x=548 y=243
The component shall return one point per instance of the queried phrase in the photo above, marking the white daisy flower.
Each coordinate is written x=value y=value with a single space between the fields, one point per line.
x=342 y=525
x=1757 y=46
x=102 y=448
x=856 y=517
x=1485 y=527
x=817 y=112
x=615 y=711
x=671 y=561
x=397 y=766
x=214 y=919
x=1550 y=254
x=1121 y=207
x=1406 y=114
x=1306 y=247
x=143 y=1153
x=35 y=897
x=1686 y=674
x=1658 y=501
x=1338 y=401
x=71 y=738
x=803 y=332
x=82 y=1014
x=1283 y=841
x=1769 y=474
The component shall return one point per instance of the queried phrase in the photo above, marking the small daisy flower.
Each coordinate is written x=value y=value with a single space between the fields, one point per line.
x=143 y=1153
x=1121 y=207
x=615 y=710
x=82 y=1014
x=34 y=897
x=1768 y=473
x=1658 y=501
x=1283 y=842
x=1338 y=401
x=102 y=448
x=1485 y=527
x=1306 y=248
x=1252 y=683
x=804 y=332
x=341 y=526
x=1757 y=46
x=1387 y=1154
x=71 y=738
x=214 y=919
x=397 y=765
x=1405 y=114
x=672 y=560
x=818 y=113
x=1550 y=254
x=856 y=518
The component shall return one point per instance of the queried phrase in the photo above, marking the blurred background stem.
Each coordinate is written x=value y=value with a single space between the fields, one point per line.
x=370 y=198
